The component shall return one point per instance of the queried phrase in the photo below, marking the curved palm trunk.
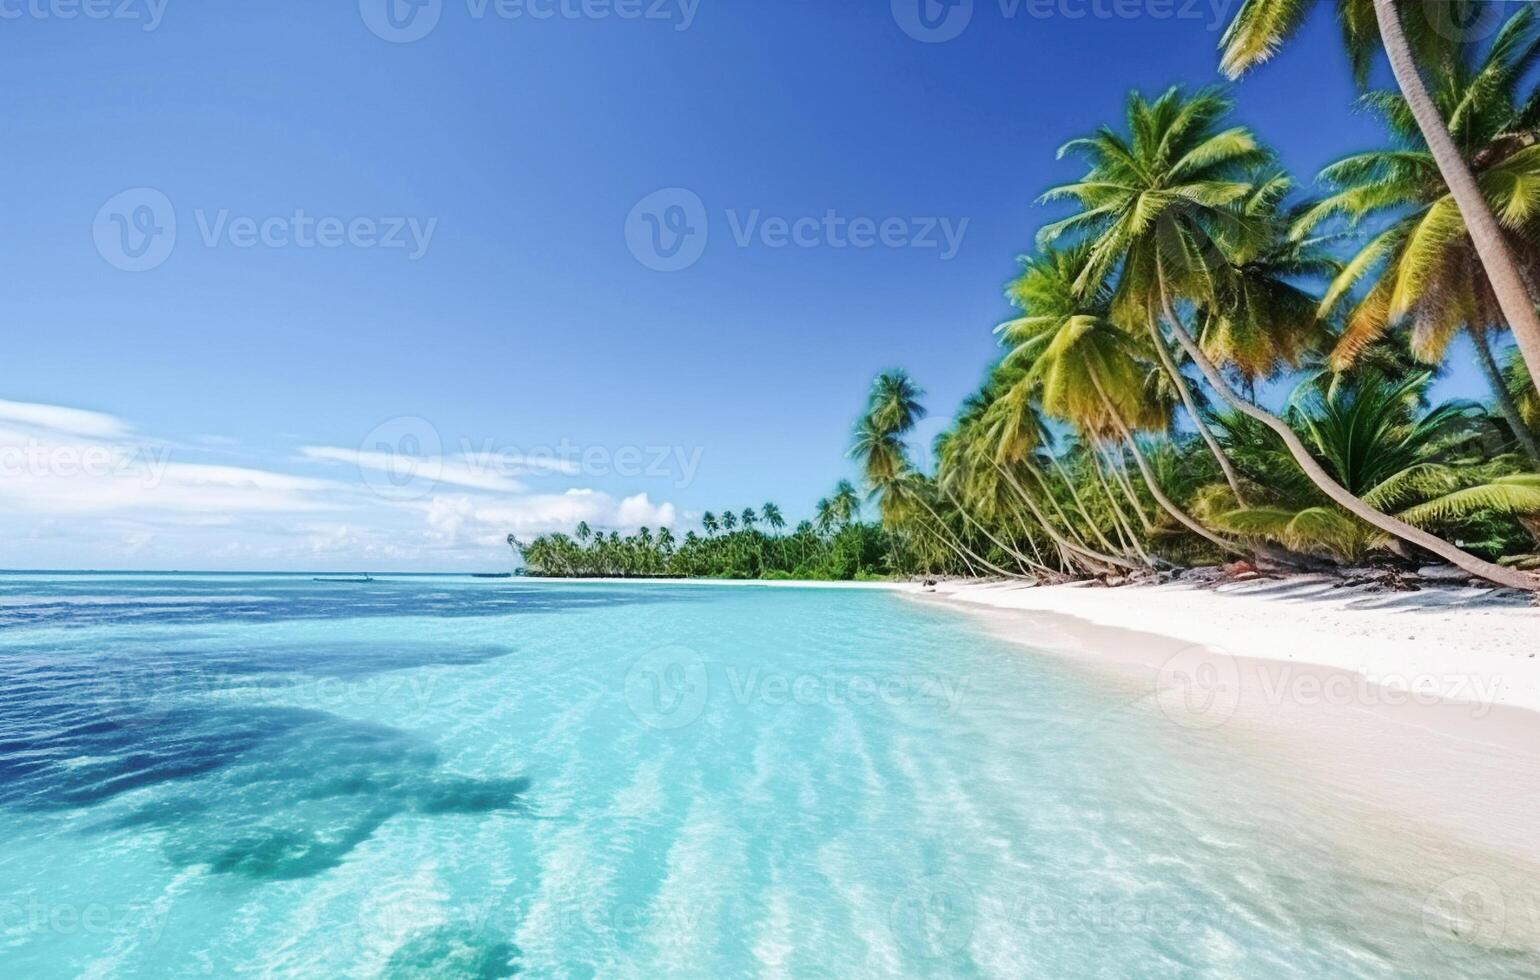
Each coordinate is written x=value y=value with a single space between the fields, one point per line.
x=1496 y=257
x=1190 y=403
x=1125 y=527
x=1340 y=494
x=1088 y=557
x=1120 y=476
x=1505 y=404
x=1080 y=506
x=1166 y=503
x=961 y=546
x=1021 y=558
x=1069 y=526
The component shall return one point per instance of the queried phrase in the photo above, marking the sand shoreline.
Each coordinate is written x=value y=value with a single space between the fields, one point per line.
x=1326 y=703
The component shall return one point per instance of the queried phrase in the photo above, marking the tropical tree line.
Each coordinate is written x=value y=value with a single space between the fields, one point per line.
x=747 y=544
x=1210 y=362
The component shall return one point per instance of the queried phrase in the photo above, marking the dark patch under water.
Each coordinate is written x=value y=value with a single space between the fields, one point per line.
x=453 y=953
x=260 y=792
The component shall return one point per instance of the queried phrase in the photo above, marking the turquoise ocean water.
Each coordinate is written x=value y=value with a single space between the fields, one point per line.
x=443 y=777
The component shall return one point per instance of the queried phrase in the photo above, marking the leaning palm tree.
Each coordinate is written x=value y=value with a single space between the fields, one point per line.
x=902 y=494
x=1429 y=34
x=1080 y=365
x=1153 y=203
x=1196 y=251
x=1430 y=276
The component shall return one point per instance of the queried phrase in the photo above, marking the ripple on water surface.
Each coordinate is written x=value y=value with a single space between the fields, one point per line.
x=432 y=777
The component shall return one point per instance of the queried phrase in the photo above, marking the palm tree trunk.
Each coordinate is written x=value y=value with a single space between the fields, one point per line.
x=1125 y=527
x=1087 y=556
x=1166 y=503
x=959 y=545
x=1021 y=558
x=1074 y=494
x=1190 y=403
x=1120 y=476
x=1500 y=393
x=1496 y=257
x=1341 y=495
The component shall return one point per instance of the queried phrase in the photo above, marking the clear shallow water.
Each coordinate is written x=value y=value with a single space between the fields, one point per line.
x=434 y=777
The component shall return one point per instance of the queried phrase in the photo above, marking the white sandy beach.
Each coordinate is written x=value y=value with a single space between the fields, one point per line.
x=1460 y=641
x=1421 y=710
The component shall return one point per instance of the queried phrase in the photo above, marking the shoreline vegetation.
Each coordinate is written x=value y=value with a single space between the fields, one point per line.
x=1213 y=366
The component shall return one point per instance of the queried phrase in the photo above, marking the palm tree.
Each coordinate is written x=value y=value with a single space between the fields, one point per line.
x=1080 y=365
x=847 y=502
x=1260 y=27
x=824 y=516
x=893 y=408
x=1430 y=275
x=1377 y=440
x=709 y=524
x=1194 y=250
x=1155 y=203
x=749 y=518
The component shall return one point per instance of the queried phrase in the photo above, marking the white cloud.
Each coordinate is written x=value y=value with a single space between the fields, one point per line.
x=84 y=489
x=55 y=418
x=466 y=519
x=459 y=471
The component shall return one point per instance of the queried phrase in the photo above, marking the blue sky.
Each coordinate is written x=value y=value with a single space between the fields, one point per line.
x=433 y=248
